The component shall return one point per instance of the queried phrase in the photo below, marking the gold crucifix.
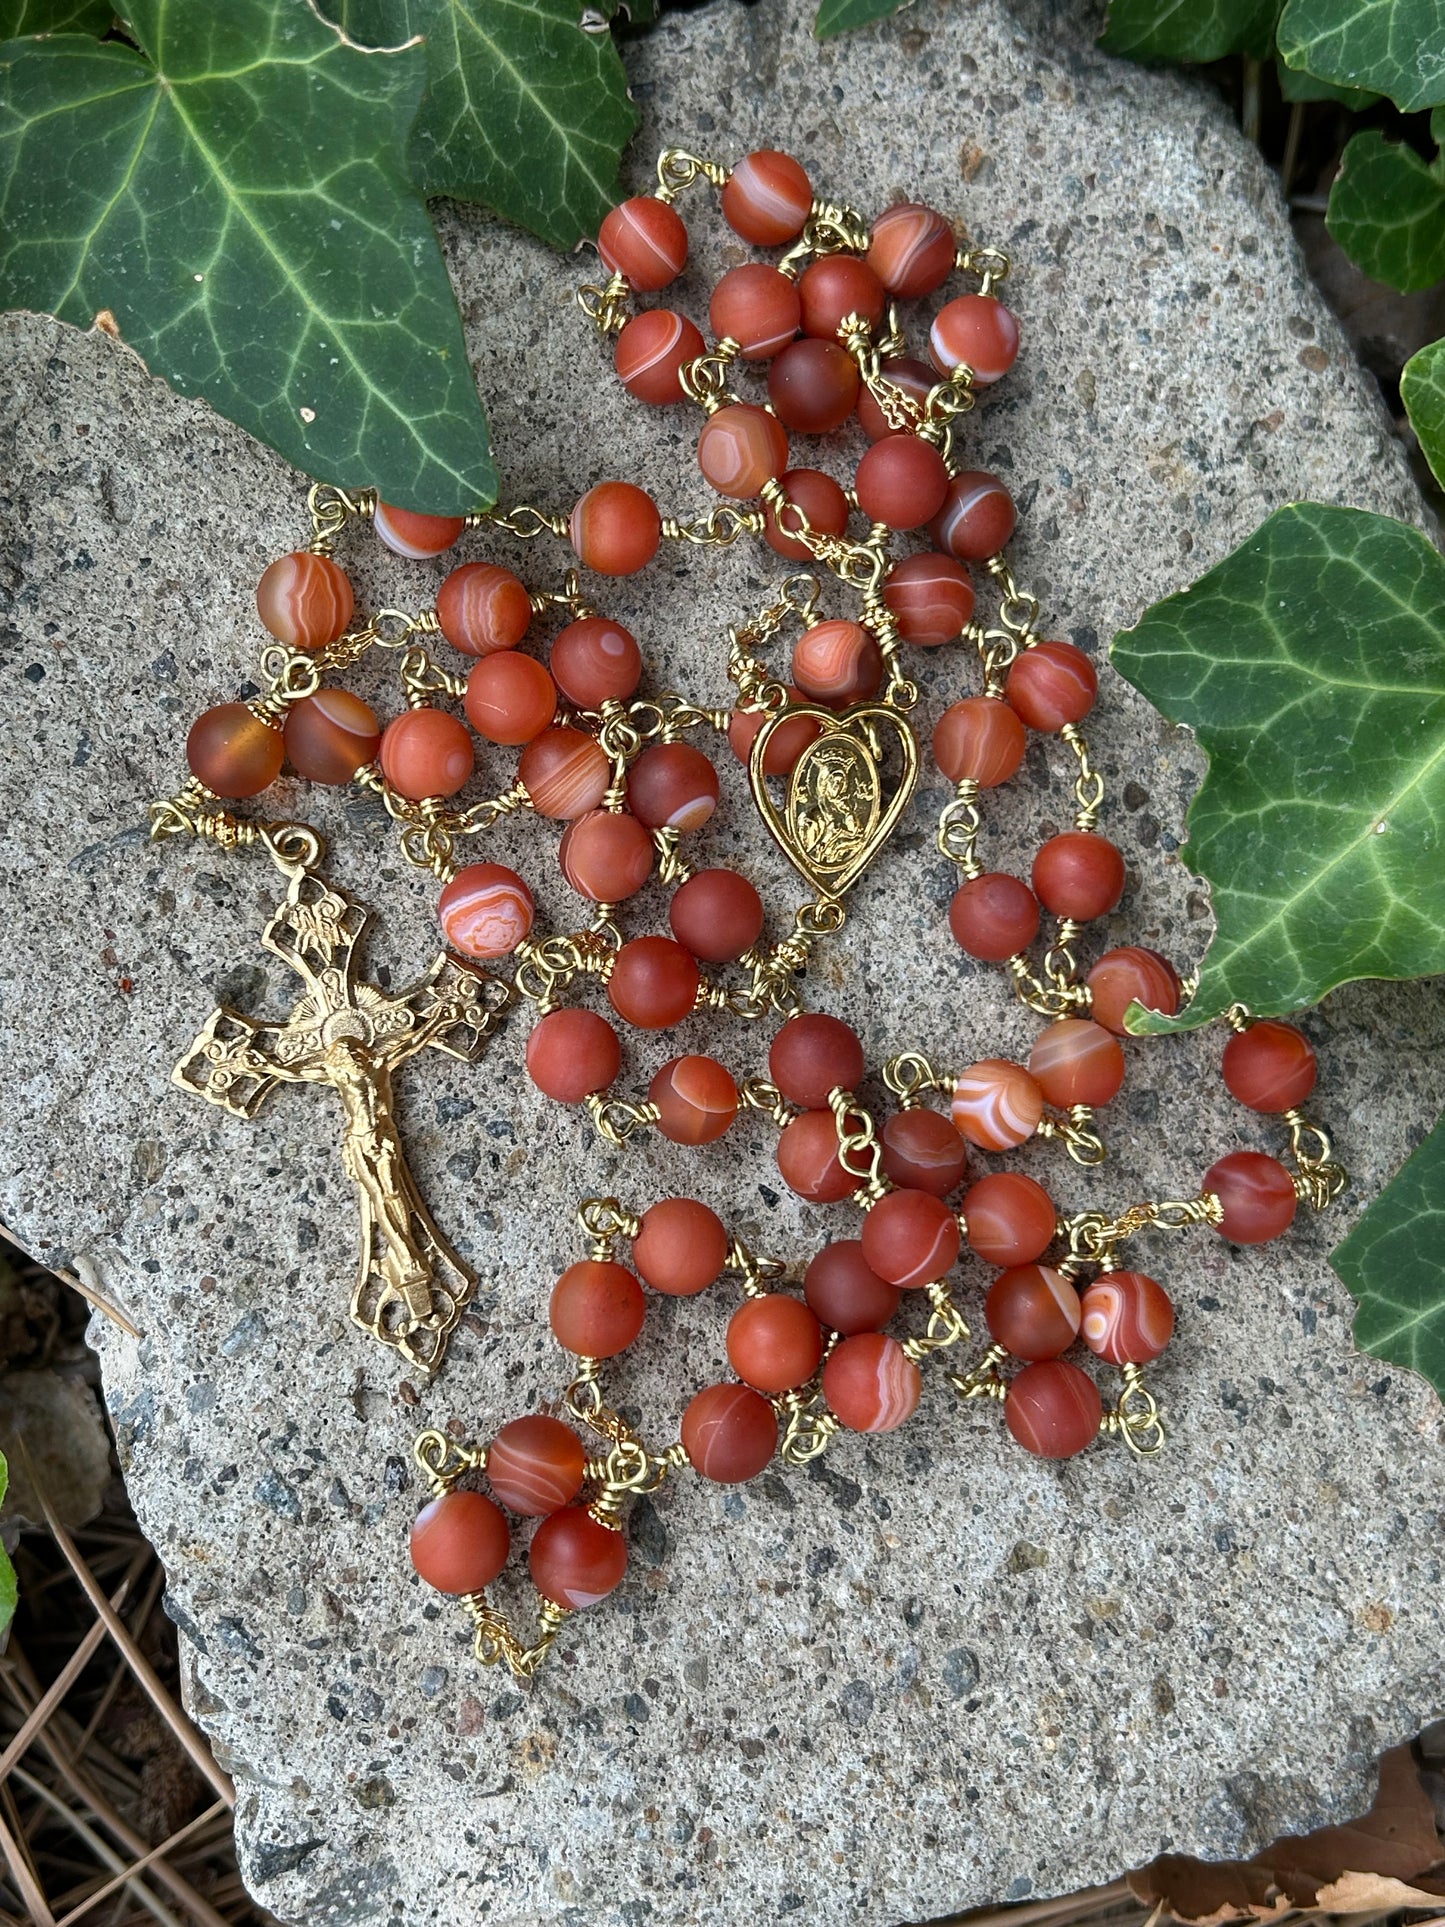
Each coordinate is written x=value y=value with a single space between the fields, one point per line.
x=411 y=1286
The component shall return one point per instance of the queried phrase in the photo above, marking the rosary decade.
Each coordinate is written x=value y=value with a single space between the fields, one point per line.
x=832 y=758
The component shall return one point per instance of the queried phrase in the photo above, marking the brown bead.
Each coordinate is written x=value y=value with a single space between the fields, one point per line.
x=305 y=600
x=931 y=599
x=574 y=1559
x=1050 y=685
x=652 y=351
x=654 y=983
x=233 y=752
x=836 y=286
x=911 y=1238
x=1131 y=975
x=980 y=739
x=757 y=307
x=730 y=1433
x=870 y=1383
x=912 y=250
x=535 y=1465
x=417 y=537
x=565 y=773
x=717 y=915
x=681 y=1247
x=993 y=916
x=1127 y=1317
x=837 y=663
x=697 y=1099
x=917 y=381
x=813 y=1054
x=976 y=519
x=844 y=1291
x=923 y=1152
x=996 y=1104
x=1053 y=1409
x=485 y=911
x=616 y=528
x=1257 y=1194
x=1032 y=1311
x=606 y=856
x=331 y=735
x=595 y=660
x=767 y=198
x=774 y=1342
x=597 y=1308
x=740 y=448
x=976 y=331
x=1078 y=875
x=572 y=1055
x=813 y=386
x=672 y=786
x=645 y=239
x=510 y=698
x=460 y=1542
x=1011 y=1219
x=808 y=1159
x=784 y=746
x=482 y=608
x=1077 y=1062
x=426 y=752
x=901 y=481
x=819 y=498
x=1270 y=1067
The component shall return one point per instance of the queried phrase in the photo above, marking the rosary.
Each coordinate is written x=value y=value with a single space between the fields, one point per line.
x=832 y=758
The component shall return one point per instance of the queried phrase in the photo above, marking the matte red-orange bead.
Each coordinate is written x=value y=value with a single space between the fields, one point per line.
x=331 y=735
x=486 y=910
x=672 y=786
x=767 y=198
x=757 y=307
x=1077 y=1062
x=931 y=598
x=993 y=916
x=1032 y=1311
x=917 y=381
x=912 y=250
x=813 y=386
x=838 y=662
x=415 y=536
x=844 y=1291
x=460 y=1542
x=305 y=600
x=1270 y=1067
x=565 y=772
x=922 y=1151
x=819 y=498
x=1050 y=685
x=1257 y=1194
x=717 y=915
x=510 y=698
x=996 y=1104
x=535 y=1465
x=681 y=1247
x=606 y=856
x=910 y=1238
x=813 y=1054
x=902 y=481
x=740 y=448
x=233 y=752
x=808 y=1159
x=1128 y=1318
x=654 y=982
x=595 y=660
x=1053 y=1409
x=652 y=351
x=976 y=331
x=696 y=1097
x=980 y=739
x=784 y=746
x=574 y=1559
x=1132 y=974
x=481 y=608
x=774 y=1342
x=573 y=1054
x=427 y=752
x=597 y=1308
x=1011 y=1219
x=1078 y=874
x=616 y=528
x=645 y=239
x=730 y=1433
x=870 y=1383
x=977 y=517
x=835 y=287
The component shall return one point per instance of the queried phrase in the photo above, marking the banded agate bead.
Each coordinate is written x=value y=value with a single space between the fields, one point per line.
x=1053 y=1409
x=870 y=1383
x=996 y=1104
x=901 y=481
x=233 y=752
x=595 y=660
x=819 y=498
x=415 y=536
x=482 y=608
x=915 y=378
x=980 y=740
x=653 y=983
x=717 y=915
x=331 y=735
x=606 y=856
x=305 y=600
x=510 y=698
x=1132 y=974
x=597 y=1308
x=697 y=1098
x=486 y=910
x=572 y=1055
x=767 y=198
x=844 y=1291
x=808 y=1159
x=574 y=1559
x=837 y=662
x=757 y=307
x=911 y=1238
x=1077 y=1062
x=459 y=1542
x=672 y=786
x=426 y=752
x=1078 y=874
x=564 y=772
x=730 y=1432
x=1270 y=1067
x=774 y=1343
x=740 y=448
x=813 y=386
x=646 y=240
x=976 y=331
x=931 y=598
x=993 y=916
x=1127 y=1317
x=616 y=528
x=785 y=745
x=1032 y=1311
x=836 y=286
x=977 y=517
x=535 y=1465
x=681 y=1247
x=922 y=1151
x=1257 y=1194
x=912 y=250
x=651 y=353
x=1011 y=1219
x=1050 y=685
x=812 y=1055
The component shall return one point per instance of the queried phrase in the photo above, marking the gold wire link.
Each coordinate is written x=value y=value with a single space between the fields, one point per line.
x=619 y=1121
x=664 y=718
x=997 y=651
x=946 y=1325
x=959 y=825
x=545 y=966
x=1077 y=1135
x=1088 y=784
x=718 y=529
x=443 y=1460
x=1093 y=1238
x=705 y=380
x=604 y=1219
x=678 y=169
x=1319 y=1179
x=759 y=1095
x=756 y=1273
x=1057 y=999
x=830 y=228
x=423 y=678
x=1135 y=1419
x=991 y=265
x=526 y=521
x=981 y=1380
x=606 y=307
x=481 y=816
x=859 y=1152
x=1019 y=610
x=331 y=509
x=495 y=1643
x=910 y=1074
x=808 y=1425
x=1061 y=966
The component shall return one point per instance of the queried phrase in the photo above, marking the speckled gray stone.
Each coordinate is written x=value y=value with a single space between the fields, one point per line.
x=931 y=1672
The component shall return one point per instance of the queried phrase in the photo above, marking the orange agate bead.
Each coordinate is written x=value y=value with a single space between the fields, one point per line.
x=415 y=536
x=233 y=752
x=595 y=660
x=901 y=481
x=616 y=528
x=1270 y=1067
x=672 y=786
x=818 y=497
x=838 y=662
x=931 y=599
x=653 y=983
x=510 y=698
x=923 y=1152
x=977 y=517
x=1257 y=1194
x=696 y=1097
x=481 y=608
x=486 y=910
x=912 y=250
x=597 y=1308
x=1077 y=1062
x=774 y=1342
x=1051 y=685
x=426 y=752
x=460 y=1542
x=652 y=351
x=1079 y=874
x=1053 y=1409
x=572 y=1055
x=911 y=1238
x=645 y=239
x=1011 y=1219
x=606 y=856
x=812 y=1055
x=565 y=773
x=1131 y=975
x=535 y=1465
x=1033 y=1311
x=1127 y=1317
x=740 y=448
x=574 y=1559
x=836 y=286
x=976 y=331
x=996 y=1104
x=844 y=1291
x=305 y=600
x=980 y=739
x=717 y=915
x=813 y=386
x=870 y=1383
x=331 y=735
x=681 y=1247
x=993 y=916
x=730 y=1433
x=808 y=1159
x=767 y=198
x=757 y=307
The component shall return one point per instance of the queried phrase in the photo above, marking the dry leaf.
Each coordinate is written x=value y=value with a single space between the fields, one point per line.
x=1368 y=1893
x=54 y=1437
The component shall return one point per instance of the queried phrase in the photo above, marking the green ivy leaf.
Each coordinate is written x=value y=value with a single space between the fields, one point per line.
x=525 y=110
x=240 y=205
x=841 y=16
x=54 y=16
x=1392 y=47
x=1392 y=1265
x=1310 y=663
x=1188 y=29
x=1387 y=211
x=1422 y=388
x=1297 y=86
